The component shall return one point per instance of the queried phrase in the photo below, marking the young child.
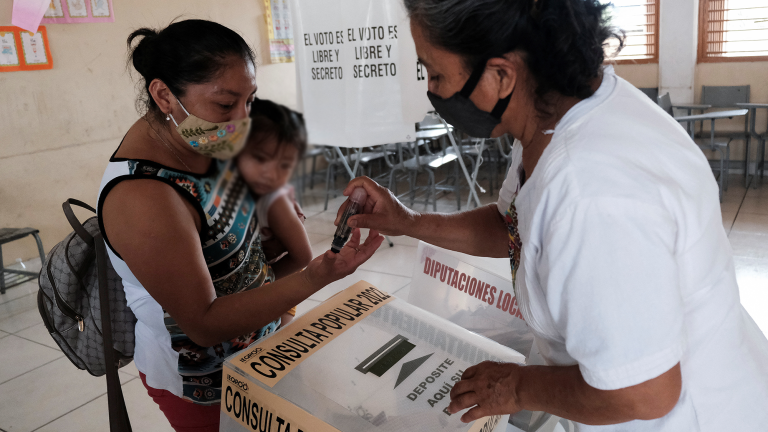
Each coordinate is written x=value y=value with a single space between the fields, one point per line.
x=276 y=143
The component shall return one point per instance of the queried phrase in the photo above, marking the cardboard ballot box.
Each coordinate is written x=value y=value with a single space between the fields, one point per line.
x=361 y=361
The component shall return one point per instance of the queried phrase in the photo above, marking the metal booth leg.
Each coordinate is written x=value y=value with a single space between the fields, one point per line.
x=2 y=272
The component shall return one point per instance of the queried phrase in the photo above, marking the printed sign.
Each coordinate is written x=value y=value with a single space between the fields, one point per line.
x=362 y=361
x=257 y=409
x=79 y=11
x=361 y=83
x=468 y=296
x=271 y=360
x=21 y=50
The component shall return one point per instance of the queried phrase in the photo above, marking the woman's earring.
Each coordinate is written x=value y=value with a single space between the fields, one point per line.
x=167 y=117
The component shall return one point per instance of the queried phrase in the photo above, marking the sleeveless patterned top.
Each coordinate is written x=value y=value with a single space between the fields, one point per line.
x=232 y=250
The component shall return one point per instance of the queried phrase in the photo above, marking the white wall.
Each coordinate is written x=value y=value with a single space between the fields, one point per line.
x=60 y=126
x=677 y=48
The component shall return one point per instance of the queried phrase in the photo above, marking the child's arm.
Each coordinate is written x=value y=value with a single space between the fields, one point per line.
x=289 y=230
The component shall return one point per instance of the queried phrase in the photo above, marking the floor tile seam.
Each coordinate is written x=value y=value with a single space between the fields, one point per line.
x=32 y=370
x=738 y=210
x=18 y=298
x=77 y=408
x=68 y=412
x=386 y=273
x=747 y=212
x=740 y=255
x=22 y=329
x=33 y=341
x=402 y=286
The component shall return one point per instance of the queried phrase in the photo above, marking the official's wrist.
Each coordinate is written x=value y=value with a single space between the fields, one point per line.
x=523 y=398
x=413 y=224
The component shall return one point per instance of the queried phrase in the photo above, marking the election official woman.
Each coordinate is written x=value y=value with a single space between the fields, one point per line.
x=611 y=220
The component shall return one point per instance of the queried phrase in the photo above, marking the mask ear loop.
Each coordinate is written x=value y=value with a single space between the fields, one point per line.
x=474 y=78
x=502 y=105
x=182 y=107
x=471 y=84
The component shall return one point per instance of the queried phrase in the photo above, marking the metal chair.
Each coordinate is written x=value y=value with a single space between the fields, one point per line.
x=340 y=159
x=13 y=277
x=727 y=97
x=719 y=145
x=651 y=92
x=413 y=158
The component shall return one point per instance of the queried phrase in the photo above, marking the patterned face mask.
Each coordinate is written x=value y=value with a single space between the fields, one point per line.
x=217 y=140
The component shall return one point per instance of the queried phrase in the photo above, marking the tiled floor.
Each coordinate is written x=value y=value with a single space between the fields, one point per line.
x=40 y=390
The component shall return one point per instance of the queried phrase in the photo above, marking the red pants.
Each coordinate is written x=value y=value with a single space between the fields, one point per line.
x=184 y=416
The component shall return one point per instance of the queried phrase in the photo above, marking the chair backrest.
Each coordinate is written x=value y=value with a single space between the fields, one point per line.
x=651 y=92
x=666 y=103
x=429 y=121
x=724 y=96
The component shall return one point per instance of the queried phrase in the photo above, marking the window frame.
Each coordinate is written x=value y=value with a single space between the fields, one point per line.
x=655 y=58
x=701 y=56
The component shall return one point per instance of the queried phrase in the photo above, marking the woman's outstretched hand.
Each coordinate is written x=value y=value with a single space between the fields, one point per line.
x=489 y=387
x=383 y=212
x=330 y=267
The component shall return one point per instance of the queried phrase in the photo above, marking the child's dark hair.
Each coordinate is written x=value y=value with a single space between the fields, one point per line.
x=272 y=119
x=186 y=52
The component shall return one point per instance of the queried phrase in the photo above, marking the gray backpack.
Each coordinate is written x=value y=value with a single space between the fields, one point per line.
x=77 y=282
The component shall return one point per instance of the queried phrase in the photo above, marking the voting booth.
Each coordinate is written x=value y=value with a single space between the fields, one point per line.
x=359 y=78
x=360 y=361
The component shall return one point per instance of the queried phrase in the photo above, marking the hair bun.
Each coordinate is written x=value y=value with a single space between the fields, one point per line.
x=138 y=53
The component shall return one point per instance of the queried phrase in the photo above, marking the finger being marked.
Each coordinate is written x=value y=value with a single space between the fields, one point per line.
x=474 y=414
x=463 y=401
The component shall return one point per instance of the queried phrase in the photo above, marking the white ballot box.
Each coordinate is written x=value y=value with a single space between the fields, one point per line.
x=469 y=291
x=360 y=361
x=453 y=286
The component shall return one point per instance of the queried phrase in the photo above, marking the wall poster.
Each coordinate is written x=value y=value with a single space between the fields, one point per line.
x=21 y=50
x=79 y=11
x=280 y=29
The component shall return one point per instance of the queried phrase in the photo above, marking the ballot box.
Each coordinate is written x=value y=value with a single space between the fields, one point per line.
x=363 y=360
x=465 y=291
x=470 y=292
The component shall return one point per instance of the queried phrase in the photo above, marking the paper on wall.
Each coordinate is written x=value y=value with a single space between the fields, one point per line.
x=27 y=14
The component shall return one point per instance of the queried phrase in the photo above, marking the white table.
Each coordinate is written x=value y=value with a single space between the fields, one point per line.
x=690 y=108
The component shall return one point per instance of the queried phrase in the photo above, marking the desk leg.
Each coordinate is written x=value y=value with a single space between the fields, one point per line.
x=723 y=168
x=747 y=142
x=2 y=273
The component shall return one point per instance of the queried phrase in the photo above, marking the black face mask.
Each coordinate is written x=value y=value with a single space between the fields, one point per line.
x=462 y=113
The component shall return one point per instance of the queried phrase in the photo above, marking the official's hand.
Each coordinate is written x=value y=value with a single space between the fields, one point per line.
x=490 y=387
x=331 y=267
x=382 y=212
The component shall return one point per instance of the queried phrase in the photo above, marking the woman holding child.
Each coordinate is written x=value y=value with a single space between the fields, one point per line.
x=181 y=224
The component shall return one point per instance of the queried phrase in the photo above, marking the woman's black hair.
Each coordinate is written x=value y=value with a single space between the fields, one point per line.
x=186 y=52
x=562 y=40
x=272 y=119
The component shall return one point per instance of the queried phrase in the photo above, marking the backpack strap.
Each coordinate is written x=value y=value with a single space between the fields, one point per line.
x=118 y=414
x=74 y=221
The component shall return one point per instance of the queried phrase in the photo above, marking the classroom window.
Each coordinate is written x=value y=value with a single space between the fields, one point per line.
x=639 y=21
x=733 y=30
